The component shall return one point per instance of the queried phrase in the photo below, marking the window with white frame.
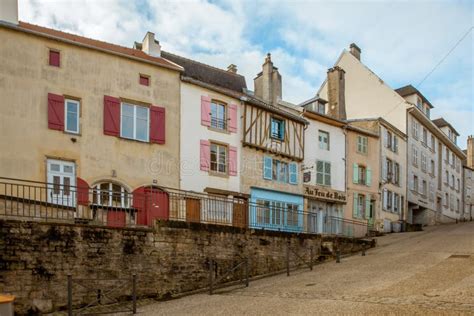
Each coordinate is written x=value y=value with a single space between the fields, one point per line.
x=423 y=162
x=111 y=195
x=425 y=137
x=323 y=172
x=415 y=129
x=71 y=113
x=362 y=144
x=135 y=122
x=414 y=153
x=396 y=173
x=219 y=158
x=218 y=115
x=323 y=140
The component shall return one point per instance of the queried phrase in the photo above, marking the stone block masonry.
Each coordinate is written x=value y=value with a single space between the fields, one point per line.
x=172 y=258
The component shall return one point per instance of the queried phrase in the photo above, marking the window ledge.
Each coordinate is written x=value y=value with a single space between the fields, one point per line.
x=218 y=174
x=218 y=130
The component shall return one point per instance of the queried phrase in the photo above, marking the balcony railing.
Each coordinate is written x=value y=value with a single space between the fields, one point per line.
x=218 y=123
x=20 y=199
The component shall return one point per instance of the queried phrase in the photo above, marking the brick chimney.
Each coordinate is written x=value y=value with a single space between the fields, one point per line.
x=336 y=93
x=355 y=50
x=9 y=11
x=267 y=84
x=470 y=151
x=232 y=68
x=150 y=45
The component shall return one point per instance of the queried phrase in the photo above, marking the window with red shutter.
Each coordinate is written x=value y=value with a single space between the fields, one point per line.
x=157 y=124
x=55 y=112
x=111 y=116
x=144 y=80
x=54 y=58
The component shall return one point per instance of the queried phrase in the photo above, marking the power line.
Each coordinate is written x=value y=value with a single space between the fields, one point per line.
x=435 y=67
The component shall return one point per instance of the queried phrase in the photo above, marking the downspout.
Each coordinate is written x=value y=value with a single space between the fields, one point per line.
x=344 y=130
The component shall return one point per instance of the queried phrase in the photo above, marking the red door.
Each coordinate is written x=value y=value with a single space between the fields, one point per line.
x=155 y=205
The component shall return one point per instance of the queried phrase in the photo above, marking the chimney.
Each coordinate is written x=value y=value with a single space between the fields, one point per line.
x=267 y=84
x=150 y=45
x=232 y=68
x=355 y=50
x=470 y=151
x=336 y=93
x=9 y=11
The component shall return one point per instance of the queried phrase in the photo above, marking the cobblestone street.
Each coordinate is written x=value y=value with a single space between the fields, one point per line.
x=408 y=273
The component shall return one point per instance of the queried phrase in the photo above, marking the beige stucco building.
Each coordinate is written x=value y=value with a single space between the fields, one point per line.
x=79 y=112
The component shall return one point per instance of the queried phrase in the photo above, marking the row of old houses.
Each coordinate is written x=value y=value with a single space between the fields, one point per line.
x=105 y=125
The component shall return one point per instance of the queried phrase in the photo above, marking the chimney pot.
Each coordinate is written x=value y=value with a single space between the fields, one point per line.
x=355 y=50
x=232 y=68
x=9 y=11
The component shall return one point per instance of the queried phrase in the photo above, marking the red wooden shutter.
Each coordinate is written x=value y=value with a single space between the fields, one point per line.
x=111 y=116
x=54 y=58
x=55 y=112
x=157 y=124
x=82 y=191
x=233 y=118
x=205 y=110
x=232 y=161
x=205 y=155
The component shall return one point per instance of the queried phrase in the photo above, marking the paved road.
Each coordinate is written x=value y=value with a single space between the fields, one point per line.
x=408 y=273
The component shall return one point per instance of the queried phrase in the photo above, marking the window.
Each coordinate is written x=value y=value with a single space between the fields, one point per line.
x=447 y=155
x=433 y=143
x=396 y=202
x=219 y=158
x=424 y=188
x=323 y=140
x=134 y=122
x=425 y=137
x=452 y=181
x=446 y=180
x=111 y=195
x=427 y=111
x=362 y=144
x=71 y=113
x=395 y=144
x=459 y=185
x=277 y=129
x=323 y=172
x=415 y=127
x=396 y=174
x=61 y=174
x=389 y=166
x=275 y=213
x=446 y=199
x=292 y=214
x=280 y=171
x=415 y=183
x=457 y=205
x=144 y=80
x=389 y=200
x=432 y=170
x=321 y=108
x=388 y=139
x=362 y=175
x=414 y=152
x=361 y=205
x=423 y=162
x=54 y=58
x=218 y=115
x=419 y=103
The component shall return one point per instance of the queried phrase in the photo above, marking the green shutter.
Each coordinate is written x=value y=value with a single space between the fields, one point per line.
x=293 y=168
x=355 y=206
x=355 y=175
x=369 y=176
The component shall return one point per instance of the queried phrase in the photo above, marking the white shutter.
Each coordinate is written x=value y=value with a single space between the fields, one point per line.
x=384 y=168
x=385 y=199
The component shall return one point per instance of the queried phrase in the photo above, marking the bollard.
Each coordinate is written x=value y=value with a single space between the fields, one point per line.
x=211 y=268
x=69 y=295
x=338 y=256
x=134 y=293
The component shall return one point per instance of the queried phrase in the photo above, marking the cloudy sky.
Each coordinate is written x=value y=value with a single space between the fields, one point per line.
x=401 y=41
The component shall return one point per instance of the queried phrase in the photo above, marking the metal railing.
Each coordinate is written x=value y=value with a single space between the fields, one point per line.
x=116 y=207
x=218 y=123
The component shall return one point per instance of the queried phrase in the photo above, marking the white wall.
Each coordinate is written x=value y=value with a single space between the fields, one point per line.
x=192 y=178
x=367 y=96
x=335 y=155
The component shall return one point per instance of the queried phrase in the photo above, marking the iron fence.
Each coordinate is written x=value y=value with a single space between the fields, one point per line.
x=112 y=205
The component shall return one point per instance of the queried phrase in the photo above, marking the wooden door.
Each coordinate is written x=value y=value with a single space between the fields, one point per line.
x=193 y=210
x=240 y=213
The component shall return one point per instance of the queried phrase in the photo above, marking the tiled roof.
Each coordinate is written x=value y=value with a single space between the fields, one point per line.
x=441 y=122
x=94 y=44
x=208 y=74
x=409 y=89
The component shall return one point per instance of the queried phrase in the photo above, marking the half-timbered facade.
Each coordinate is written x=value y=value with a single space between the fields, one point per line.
x=273 y=150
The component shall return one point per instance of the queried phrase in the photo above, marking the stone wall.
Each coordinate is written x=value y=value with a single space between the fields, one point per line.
x=172 y=258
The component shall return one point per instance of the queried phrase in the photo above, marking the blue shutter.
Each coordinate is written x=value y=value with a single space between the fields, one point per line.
x=355 y=205
x=282 y=130
x=369 y=176
x=355 y=174
x=293 y=173
x=267 y=168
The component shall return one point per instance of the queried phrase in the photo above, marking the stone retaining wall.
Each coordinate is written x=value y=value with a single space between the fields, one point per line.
x=172 y=258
